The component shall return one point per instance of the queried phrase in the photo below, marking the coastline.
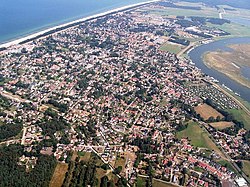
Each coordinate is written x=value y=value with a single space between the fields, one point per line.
x=225 y=65
x=64 y=26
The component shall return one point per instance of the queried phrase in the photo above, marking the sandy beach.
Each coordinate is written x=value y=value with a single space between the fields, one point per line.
x=31 y=36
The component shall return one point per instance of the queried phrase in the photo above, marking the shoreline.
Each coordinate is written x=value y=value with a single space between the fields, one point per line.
x=64 y=26
x=196 y=55
x=209 y=60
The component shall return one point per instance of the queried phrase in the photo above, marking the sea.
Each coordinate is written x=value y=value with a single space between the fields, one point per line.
x=19 y=18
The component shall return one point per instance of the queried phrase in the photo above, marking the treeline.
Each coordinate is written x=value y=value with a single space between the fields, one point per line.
x=146 y=145
x=3 y=48
x=14 y=175
x=177 y=40
x=80 y=174
x=218 y=21
x=200 y=34
x=4 y=102
x=61 y=106
x=9 y=130
x=52 y=124
x=190 y=112
x=169 y=4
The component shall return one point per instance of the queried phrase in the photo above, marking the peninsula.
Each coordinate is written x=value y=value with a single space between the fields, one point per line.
x=233 y=64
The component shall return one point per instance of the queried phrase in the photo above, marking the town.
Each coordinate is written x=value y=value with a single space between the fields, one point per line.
x=106 y=89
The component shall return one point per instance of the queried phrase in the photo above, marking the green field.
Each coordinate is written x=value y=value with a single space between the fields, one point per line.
x=198 y=137
x=172 y=48
x=212 y=12
x=246 y=167
x=241 y=115
x=233 y=28
x=141 y=182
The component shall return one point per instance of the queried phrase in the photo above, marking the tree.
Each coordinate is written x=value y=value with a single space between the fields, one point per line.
x=118 y=170
x=104 y=181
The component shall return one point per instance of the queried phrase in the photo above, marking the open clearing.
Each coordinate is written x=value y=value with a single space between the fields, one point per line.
x=198 y=137
x=241 y=115
x=59 y=174
x=120 y=161
x=222 y=125
x=246 y=167
x=141 y=182
x=172 y=48
x=207 y=111
x=99 y=174
x=84 y=156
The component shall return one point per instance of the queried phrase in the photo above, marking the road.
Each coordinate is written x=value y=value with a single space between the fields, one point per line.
x=23 y=137
x=192 y=44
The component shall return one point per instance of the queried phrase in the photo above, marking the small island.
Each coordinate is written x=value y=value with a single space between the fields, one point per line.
x=235 y=64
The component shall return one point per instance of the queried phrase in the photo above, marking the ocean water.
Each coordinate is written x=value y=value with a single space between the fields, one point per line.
x=20 y=18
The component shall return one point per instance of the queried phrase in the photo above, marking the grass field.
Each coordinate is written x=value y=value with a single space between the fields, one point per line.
x=141 y=182
x=198 y=137
x=246 y=167
x=157 y=183
x=172 y=48
x=233 y=28
x=241 y=115
x=222 y=125
x=168 y=11
x=59 y=174
x=207 y=111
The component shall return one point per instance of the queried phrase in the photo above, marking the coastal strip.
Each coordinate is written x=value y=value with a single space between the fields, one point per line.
x=69 y=24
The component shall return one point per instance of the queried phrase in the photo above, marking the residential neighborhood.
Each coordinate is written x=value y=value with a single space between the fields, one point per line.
x=107 y=87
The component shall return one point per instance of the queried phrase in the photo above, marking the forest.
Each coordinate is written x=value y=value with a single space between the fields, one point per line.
x=14 y=175
x=8 y=130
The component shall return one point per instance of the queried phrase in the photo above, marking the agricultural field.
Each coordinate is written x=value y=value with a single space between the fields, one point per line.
x=207 y=111
x=198 y=137
x=222 y=125
x=59 y=174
